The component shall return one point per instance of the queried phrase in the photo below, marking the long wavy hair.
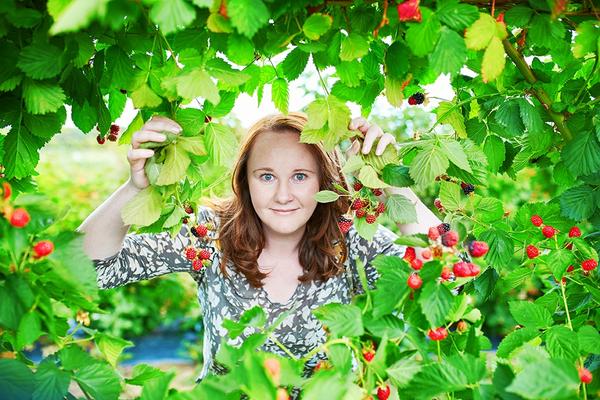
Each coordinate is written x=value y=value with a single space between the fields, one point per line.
x=322 y=249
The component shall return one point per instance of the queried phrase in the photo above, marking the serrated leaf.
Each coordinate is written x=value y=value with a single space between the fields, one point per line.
x=495 y=152
x=40 y=60
x=589 y=339
x=175 y=166
x=422 y=37
x=341 y=319
x=393 y=91
x=547 y=379
x=221 y=143
x=578 y=203
x=326 y=196
x=172 y=15
x=450 y=195
x=396 y=60
x=350 y=72
x=562 y=342
x=197 y=83
x=192 y=144
x=77 y=14
x=42 y=97
x=479 y=35
x=47 y=125
x=457 y=16
x=448 y=113
x=436 y=302
x=400 y=209
x=586 y=40
x=493 y=60
x=111 y=347
x=418 y=240
x=402 y=371
x=248 y=16
x=353 y=46
x=240 y=49
x=145 y=97
x=427 y=164
x=100 y=381
x=144 y=209
x=518 y=16
x=21 y=152
x=582 y=154
x=516 y=339
x=456 y=154
x=280 y=94
x=368 y=177
x=50 y=381
x=530 y=314
x=316 y=25
x=294 y=64
x=488 y=209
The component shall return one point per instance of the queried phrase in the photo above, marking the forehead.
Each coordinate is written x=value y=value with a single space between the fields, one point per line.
x=281 y=150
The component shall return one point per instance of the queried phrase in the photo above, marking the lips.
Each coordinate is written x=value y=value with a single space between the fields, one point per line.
x=283 y=211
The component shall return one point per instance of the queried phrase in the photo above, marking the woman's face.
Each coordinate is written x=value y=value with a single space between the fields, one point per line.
x=283 y=177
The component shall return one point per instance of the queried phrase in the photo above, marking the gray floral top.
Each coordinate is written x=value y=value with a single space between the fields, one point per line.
x=144 y=256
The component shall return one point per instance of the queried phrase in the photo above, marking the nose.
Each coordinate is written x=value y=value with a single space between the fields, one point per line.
x=284 y=192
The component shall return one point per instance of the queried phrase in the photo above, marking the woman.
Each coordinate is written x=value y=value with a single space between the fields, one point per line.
x=272 y=244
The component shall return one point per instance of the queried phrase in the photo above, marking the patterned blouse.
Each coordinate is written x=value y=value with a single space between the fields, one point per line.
x=144 y=256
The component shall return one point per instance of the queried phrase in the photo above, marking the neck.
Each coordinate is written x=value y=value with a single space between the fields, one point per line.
x=282 y=245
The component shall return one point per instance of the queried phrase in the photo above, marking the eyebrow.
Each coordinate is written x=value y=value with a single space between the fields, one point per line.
x=272 y=170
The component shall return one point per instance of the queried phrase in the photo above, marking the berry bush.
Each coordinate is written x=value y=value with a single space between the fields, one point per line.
x=526 y=83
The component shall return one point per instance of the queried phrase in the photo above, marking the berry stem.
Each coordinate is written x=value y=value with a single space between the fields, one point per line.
x=322 y=81
x=282 y=347
x=439 y=351
x=564 y=297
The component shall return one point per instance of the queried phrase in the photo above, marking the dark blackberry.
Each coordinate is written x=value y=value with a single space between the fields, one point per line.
x=417 y=98
x=467 y=188
x=443 y=228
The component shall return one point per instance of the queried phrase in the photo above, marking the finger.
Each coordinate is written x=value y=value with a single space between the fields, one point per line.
x=373 y=133
x=134 y=155
x=353 y=149
x=360 y=124
x=383 y=142
x=145 y=136
x=158 y=123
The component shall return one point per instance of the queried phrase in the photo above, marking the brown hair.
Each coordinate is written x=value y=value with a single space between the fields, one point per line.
x=322 y=249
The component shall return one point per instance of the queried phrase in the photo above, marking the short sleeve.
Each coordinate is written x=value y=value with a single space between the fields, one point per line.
x=360 y=248
x=148 y=255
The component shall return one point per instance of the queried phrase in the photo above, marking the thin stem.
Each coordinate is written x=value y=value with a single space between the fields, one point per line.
x=564 y=297
x=439 y=351
x=282 y=347
x=322 y=81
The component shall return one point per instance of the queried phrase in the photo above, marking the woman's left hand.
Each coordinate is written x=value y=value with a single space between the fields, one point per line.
x=371 y=133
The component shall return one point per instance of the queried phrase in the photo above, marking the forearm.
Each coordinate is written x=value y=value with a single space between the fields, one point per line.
x=425 y=217
x=103 y=229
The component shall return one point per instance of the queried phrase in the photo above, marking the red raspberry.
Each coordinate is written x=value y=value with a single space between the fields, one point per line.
x=446 y=273
x=377 y=192
x=43 y=248
x=100 y=139
x=383 y=392
x=201 y=230
x=19 y=218
x=537 y=220
x=433 y=233
x=357 y=186
x=414 y=281
x=574 y=232
x=6 y=190
x=443 y=228
x=360 y=213
x=188 y=209
x=589 y=265
x=357 y=204
x=114 y=128
x=473 y=269
x=380 y=207
x=532 y=251
x=344 y=225
x=185 y=220
x=204 y=254
x=197 y=265
x=370 y=218
x=190 y=253
x=438 y=204
x=111 y=137
x=571 y=268
x=478 y=249
x=410 y=254
x=450 y=239
x=585 y=376
x=461 y=269
x=416 y=264
x=426 y=254
x=438 y=333
x=548 y=231
x=500 y=17
x=368 y=355
x=462 y=326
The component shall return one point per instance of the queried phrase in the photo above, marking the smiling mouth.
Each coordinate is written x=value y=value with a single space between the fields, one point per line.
x=283 y=211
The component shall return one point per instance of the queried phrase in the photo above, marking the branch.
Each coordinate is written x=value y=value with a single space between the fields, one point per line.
x=539 y=93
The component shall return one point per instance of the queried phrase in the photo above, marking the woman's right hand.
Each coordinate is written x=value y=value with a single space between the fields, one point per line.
x=150 y=132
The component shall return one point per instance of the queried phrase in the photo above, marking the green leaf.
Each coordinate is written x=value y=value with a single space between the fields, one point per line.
x=393 y=91
x=240 y=49
x=589 y=339
x=493 y=62
x=435 y=379
x=280 y=94
x=30 y=329
x=50 y=382
x=21 y=152
x=562 y=342
x=157 y=388
x=316 y=25
x=456 y=154
x=396 y=60
x=450 y=195
x=42 y=97
x=341 y=319
x=197 y=83
x=144 y=97
x=488 y=209
x=350 y=72
x=326 y=196
x=495 y=152
x=40 y=61
x=560 y=261
x=73 y=357
x=403 y=371
x=531 y=117
x=448 y=113
x=436 y=302
x=254 y=317
x=530 y=314
x=192 y=144
x=547 y=379
x=422 y=37
x=390 y=290
x=501 y=247
x=397 y=175
x=479 y=35
x=582 y=154
x=248 y=16
x=218 y=23
x=586 y=40
x=111 y=347
x=368 y=177
x=133 y=127
x=143 y=209
x=577 y=203
x=100 y=381
x=172 y=15
x=354 y=163
x=142 y=373
x=516 y=339
x=226 y=104
x=327 y=122
x=449 y=54
x=418 y=240
x=294 y=64
x=17 y=379
x=518 y=16
x=457 y=16
x=175 y=166
x=365 y=230
x=427 y=164
x=400 y=209
x=544 y=32
x=353 y=46
x=221 y=143
x=77 y=14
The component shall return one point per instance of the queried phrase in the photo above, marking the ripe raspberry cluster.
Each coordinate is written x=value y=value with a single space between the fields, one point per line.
x=549 y=232
x=365 y=204
x=417 y=98
x=200 y=256
x=113 y=134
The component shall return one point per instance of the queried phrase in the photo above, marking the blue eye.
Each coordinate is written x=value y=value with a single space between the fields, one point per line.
x=304 y=176
x=265 y=175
